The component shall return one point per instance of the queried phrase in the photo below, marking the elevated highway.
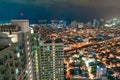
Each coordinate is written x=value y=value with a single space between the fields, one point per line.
x=75 y=46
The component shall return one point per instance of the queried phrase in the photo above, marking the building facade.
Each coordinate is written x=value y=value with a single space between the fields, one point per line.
x=12 y=66
x=18 y=33
x=25 y=40
x=35 y=51
x=51 y=54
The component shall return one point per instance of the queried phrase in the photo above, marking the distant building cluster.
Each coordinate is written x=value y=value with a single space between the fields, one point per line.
x=97 y=23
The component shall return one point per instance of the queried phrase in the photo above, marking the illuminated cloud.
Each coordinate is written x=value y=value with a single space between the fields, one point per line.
x=68 y=2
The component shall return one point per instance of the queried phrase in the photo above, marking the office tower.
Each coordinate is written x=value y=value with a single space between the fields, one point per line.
x=80 y=25
x=96 y=23
x=26 y=44
x=51 y=60
x=102 y=23
x=19 y=33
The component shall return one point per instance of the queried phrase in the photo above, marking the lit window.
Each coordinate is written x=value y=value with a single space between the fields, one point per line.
x=43 y=68
x=29 y=63
x=29 y=58
x=35 y=38
x=28 y=48
x=18 y=54
x=43 y=73
x=28 y=53
x=17 y=48
x=30 y=71
x=17 y=71
x=27 y=42
x=26 y=72
x=48 y=48
x=30 y=76
x=29 y=67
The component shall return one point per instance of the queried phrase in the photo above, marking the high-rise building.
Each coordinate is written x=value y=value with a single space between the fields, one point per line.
x=80 y=25
x=51 y=56
x=35 y=52
x=19 y=33
x=102 y=23
x=96 y=23
x=25 y=39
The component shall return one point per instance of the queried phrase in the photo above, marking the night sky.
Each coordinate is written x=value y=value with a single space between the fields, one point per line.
x=82 y=10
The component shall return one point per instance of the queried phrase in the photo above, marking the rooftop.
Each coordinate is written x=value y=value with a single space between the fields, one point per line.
x=58 y=40
x=21 y=20
x=9 y=28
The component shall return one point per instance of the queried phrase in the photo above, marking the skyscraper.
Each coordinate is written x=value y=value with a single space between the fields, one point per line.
x=25 y=39
x=51 y=60
x=19 y=33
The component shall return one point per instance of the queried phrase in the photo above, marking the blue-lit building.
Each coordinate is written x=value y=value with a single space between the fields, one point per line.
x=101 y=70
x=96 y=23
x=100 y=37
x=78 y=39
x=77 y=71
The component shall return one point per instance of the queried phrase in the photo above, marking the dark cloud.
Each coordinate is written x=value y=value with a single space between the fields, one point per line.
x=67 y=2
x=68 y=9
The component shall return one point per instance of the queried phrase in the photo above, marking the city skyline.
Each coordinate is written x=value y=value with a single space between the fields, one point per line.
x=35 y=10
x=48 y=50
x=59 y=40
